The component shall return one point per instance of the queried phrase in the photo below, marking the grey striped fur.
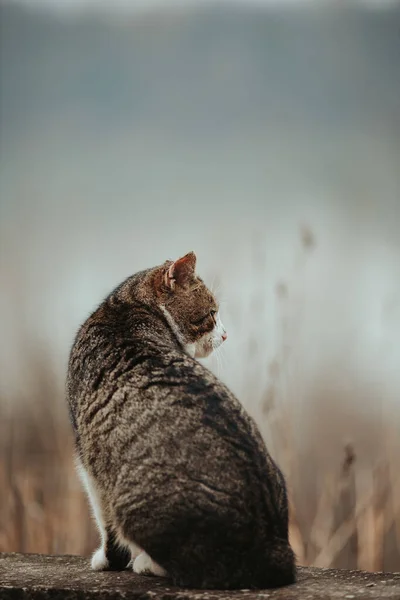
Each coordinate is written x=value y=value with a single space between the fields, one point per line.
x=178 y=475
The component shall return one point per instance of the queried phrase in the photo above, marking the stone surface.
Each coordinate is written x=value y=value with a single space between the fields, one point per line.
x=40 y=577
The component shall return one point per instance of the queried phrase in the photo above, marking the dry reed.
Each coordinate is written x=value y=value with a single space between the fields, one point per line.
x=353 y=519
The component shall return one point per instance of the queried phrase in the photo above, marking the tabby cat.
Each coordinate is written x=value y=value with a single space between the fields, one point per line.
x=177 y=473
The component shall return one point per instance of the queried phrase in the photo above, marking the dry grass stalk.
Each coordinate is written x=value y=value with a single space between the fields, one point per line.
x=352 y=516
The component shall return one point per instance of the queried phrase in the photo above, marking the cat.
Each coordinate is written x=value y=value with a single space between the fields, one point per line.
x=178 y=476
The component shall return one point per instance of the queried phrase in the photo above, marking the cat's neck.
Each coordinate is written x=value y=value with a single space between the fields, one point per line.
x=144 y=327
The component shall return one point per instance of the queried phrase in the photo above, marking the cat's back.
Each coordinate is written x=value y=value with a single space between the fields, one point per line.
x=143 y=409
x=135 y=394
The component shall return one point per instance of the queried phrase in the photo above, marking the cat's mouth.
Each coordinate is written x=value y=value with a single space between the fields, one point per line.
x=207 y=344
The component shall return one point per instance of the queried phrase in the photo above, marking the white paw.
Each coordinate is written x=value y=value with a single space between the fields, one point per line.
x=99 y=560
x=135 y=551
x=144 y=565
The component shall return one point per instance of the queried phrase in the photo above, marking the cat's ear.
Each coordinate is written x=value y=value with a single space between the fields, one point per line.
x=181 y=272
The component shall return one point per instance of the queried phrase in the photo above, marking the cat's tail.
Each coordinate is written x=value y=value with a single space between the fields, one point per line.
x=270 y=566
x=280 y=566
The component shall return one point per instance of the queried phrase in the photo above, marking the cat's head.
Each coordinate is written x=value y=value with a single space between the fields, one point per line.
x=190 y=308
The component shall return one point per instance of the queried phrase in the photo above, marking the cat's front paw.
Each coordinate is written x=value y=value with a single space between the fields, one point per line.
x=144 y=565
x=99 y=560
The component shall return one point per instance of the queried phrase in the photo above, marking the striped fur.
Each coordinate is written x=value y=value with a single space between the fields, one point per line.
x=176 y=470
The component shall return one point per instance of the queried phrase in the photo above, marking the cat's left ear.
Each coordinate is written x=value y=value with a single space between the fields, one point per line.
x=181 y=272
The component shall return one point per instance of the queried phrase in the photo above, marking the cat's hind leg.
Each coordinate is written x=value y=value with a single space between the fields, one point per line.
x=110 y=555
x=117 y=556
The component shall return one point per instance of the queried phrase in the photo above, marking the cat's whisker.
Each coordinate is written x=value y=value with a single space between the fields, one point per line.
x=222 y=303
x=218 y=363
x=215 y=286
x=215 y=355
x=212 y=288
x=222 y=357
x=219 y=358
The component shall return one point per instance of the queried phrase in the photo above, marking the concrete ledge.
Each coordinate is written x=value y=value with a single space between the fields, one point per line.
x=40 y=577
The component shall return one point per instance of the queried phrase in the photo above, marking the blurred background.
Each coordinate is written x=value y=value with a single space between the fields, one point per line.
x=266 y=137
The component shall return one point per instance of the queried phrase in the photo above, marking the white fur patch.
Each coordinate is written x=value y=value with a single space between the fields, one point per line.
x=144 y=565
x=94 y=498
x=189 y=348
x=99 y=560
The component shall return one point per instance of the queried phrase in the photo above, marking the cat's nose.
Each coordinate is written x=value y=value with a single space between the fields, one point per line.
x=224 y=336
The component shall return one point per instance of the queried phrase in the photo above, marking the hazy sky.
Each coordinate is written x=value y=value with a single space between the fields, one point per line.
x=125 y=146
x=151 y=4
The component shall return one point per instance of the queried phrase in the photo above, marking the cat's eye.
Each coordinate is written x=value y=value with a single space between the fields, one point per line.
x=202 y=319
